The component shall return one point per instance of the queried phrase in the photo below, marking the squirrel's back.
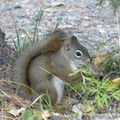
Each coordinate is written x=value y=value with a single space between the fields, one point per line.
x=50 y=44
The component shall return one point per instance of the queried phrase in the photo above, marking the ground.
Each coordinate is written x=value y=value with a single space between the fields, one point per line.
x=92 y=24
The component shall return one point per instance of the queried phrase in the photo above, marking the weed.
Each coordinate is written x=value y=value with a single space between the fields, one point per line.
x=101 y=92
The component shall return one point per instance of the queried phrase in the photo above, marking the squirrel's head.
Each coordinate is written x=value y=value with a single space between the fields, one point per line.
x=76 y=52
x=67 y=56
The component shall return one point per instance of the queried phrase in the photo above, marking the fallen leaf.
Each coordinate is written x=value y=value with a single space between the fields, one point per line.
x=37 y=114
x=45 y=114
x=87 y=107
x=77 y=109
x=15 y=111
x=100 y=59
x=116 y=80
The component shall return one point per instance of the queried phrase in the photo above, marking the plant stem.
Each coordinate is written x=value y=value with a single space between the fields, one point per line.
x=118 y=29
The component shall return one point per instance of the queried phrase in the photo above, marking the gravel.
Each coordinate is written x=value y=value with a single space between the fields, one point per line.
x=90 y=22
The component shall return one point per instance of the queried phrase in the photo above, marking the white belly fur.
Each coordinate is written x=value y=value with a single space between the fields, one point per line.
x=59 y=85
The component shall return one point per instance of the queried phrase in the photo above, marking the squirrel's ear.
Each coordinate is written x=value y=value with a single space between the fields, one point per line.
x=74 y=41
x=70 y=41
x=73 y=38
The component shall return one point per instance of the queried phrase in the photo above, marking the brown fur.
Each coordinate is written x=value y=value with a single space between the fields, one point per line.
x=40 y=62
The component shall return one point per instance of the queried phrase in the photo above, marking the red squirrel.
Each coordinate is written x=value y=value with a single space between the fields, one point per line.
x=46 y=64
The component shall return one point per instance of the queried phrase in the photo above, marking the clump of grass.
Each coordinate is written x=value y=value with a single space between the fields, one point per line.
x=110 y=67
x=102 y=92
x=21 y=42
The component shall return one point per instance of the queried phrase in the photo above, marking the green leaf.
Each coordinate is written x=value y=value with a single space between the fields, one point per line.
x=27 y=115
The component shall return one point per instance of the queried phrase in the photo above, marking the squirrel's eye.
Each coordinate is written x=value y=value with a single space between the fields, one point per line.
x=78 y=53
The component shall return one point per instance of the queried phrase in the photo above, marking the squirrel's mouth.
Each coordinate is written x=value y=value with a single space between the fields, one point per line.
x=76 y=77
